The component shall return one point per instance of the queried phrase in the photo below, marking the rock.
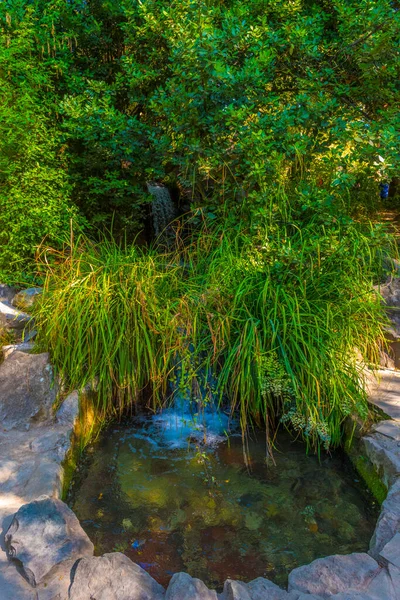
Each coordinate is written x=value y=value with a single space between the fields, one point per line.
x=26 y=298
x=261 y=589
x=10 y=318
x=113 y=577
x=235 y=590
x=27 y=392
x=31 y=462
x=43 y=534
x=384 y=453
x=184 y=587
x=22 y=347
x=68 y=412
x=7 y=293
x=56 y=584
x=380 y=588
x=391 y=552
x=388 y=523
x=394 y=575
x=390 y=429
x=390 y=293
x=334 y=574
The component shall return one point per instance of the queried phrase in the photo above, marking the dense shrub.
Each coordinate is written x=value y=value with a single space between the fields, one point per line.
x=275 y=318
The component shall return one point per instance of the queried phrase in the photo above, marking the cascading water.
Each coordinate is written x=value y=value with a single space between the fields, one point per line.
x=162 y=208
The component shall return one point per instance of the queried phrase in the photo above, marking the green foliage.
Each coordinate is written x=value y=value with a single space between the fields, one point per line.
x=228 y=100
x=34 y=187
x=275 y=120
x=275 y=318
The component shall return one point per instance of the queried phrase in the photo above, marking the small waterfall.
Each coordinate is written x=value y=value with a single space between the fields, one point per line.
x=162 y=208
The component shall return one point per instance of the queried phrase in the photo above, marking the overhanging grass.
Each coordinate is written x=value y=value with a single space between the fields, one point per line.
x=281 y=319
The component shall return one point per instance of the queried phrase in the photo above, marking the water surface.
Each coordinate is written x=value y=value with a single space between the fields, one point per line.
x=188 y=507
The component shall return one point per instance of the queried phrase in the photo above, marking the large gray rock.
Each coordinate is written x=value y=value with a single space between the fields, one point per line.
x=334 y=574
x=25 y=299
x=43 y=534
x=113 y=577
x=389 y=521
x=27 y=392
x=184 y=587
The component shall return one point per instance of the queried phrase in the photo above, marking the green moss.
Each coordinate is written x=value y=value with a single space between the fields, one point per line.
x=371 y=478
x=353 y=432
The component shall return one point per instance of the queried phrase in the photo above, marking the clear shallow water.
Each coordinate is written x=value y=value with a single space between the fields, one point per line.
x=178 y=506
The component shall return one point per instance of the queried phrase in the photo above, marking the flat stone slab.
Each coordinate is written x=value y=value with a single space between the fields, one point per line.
x=391 y=552
x=27 y=390
x=30 y=463
x=390 y=429
x=43 y=534
x=384 y=391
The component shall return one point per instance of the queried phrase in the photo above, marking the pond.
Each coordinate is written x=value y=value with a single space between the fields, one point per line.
x=172 y=503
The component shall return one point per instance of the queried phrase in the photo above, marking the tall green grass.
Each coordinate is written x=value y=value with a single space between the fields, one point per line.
x=283 y=319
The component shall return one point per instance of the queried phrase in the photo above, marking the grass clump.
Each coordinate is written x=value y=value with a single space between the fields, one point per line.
x=283 y=319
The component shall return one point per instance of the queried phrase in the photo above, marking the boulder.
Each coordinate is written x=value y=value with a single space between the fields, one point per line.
x=388 y=523
x=260 y=589
x=43 y=534
x=25 y=299
x=334 y=574
x=113 y=577
x=235 y=590
x=27 y=392
x=184 y=587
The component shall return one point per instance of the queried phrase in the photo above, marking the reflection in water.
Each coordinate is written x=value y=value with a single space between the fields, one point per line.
x=156 y=492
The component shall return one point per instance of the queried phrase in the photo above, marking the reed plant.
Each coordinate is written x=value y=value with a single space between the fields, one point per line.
x=284 y=319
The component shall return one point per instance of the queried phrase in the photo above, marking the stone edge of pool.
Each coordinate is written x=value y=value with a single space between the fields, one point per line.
x=46 y=555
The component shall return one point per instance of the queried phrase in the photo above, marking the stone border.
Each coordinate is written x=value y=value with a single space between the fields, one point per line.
x=51 y=557
x=46 y=555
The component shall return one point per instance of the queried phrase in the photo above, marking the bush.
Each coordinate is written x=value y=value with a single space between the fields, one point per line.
x=275 y=318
